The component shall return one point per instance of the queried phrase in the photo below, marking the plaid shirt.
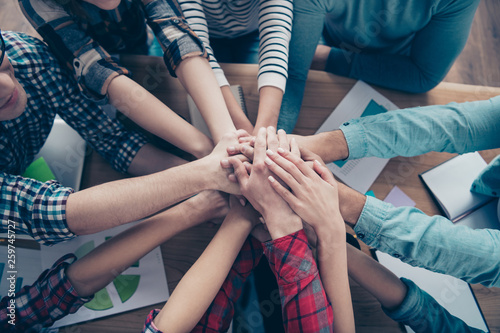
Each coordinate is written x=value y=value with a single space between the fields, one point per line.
x=83 y=43
x=39 y=208
x=49 y=299
x=305 y=305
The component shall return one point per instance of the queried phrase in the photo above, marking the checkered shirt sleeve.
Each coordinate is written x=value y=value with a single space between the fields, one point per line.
x=305 y=305
x=49 y=299
x=38 y=209
x=177 y=39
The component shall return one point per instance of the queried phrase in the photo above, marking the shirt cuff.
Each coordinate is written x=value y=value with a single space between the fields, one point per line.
x=339 y=62
x=291 y=258
x=273 y=80
x=411 y=306
x=370 y=221
x=355 y=136
x=149 y=325
x=221 y=78
x=488 y=182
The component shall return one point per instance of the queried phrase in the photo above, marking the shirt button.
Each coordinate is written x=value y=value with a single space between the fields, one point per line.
x=77 y=64
x=360 y=235
x=396 y=255
x=346 y=123
x=176 y=21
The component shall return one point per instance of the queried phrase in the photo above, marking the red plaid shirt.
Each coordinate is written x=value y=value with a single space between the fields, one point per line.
x=50 y=298
x=305 y=305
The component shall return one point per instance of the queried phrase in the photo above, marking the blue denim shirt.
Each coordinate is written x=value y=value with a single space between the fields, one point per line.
x=407 y=233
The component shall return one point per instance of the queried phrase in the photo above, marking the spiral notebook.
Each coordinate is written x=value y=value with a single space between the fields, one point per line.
x=195 y=115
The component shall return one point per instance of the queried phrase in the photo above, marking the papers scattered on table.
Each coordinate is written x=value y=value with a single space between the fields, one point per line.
x=361 y=101
x=398 y=198
x=143 y=284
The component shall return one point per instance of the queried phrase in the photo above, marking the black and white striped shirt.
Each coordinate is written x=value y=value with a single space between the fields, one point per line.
x=234 y=18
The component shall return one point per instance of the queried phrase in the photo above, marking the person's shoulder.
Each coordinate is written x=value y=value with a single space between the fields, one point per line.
x=27 y=53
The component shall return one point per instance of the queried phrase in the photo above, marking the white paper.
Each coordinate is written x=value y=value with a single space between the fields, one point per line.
x=451 y=181
x=152 y=287
x=358 y=174
x=27 y=265
x=453 y=294
x=64 y=152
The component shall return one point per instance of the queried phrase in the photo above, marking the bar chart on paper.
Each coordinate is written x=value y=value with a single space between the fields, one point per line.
x=361 y=101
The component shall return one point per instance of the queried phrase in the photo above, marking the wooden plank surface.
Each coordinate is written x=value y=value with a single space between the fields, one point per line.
x=323 y=92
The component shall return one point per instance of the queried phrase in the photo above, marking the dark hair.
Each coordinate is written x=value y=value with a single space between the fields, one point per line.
x=71 y=6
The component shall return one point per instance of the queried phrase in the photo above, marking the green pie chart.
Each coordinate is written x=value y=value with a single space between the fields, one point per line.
x=125 y=284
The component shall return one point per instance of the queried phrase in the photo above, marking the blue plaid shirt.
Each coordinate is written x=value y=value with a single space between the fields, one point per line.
x=39 y=209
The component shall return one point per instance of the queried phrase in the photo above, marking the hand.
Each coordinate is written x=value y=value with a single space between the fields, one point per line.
x=255 y=187
x=313 y=194
x=247 y=212
x=218 y=158
x=261 y=233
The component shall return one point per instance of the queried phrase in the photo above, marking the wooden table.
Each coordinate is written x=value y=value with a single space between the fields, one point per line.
x=323 y=93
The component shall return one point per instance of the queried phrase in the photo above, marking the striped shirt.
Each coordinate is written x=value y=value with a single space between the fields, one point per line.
x=230 y=19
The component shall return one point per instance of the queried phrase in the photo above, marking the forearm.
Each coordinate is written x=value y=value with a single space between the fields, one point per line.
x=198 y=78
x=150 y=159
x=98 y=268
x=151 y=114
x=332 y=259
x=269 y=107
x=108 y=205
x=454 y=128
x=386 y=287
x=330 y=146
x=204 y=279
x=239 y=118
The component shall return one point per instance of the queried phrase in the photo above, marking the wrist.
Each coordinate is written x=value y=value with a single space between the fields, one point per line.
x=351 y=204
x=335 y=139
x=280 y=226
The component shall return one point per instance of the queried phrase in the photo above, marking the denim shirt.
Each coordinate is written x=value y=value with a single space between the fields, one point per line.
x=432 y=242
x=82 y=44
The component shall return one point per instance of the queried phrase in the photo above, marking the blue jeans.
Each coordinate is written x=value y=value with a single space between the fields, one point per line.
x=242 y=50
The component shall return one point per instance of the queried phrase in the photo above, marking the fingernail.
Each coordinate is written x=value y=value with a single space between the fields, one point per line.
x=271 y=179
x=281 y=131
x=281 y=150
x=243 y=202
x=243 y=149
x=268 y=161
x=231 y=149
x=269 y=152
x=317 y=163
x=225 y=163
x=261 y=219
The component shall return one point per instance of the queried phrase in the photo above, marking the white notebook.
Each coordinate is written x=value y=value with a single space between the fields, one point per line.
x=450 y=183
x=195 y=115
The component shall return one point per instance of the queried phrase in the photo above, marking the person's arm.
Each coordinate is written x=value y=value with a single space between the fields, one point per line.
x=313 y=196
x=99 y=267
x=195 y=17
x=200 y=285
x=432 y=53
x=220 y=313
x=401 y=299
x=68 y=284
x=275 y=27
x=453 y=128
x=100 y=78
x=127 y=200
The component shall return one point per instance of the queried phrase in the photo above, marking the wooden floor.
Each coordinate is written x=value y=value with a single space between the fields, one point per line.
x=479 y=63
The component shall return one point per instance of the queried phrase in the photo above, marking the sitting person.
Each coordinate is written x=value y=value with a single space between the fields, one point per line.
x=408 y=46
x=82 y=34
x=33 y=89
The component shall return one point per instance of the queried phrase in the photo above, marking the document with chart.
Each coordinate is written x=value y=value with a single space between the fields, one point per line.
x=361 y=101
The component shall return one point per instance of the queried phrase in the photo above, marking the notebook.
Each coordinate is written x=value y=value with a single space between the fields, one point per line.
x=195 y=115
x=450 y=183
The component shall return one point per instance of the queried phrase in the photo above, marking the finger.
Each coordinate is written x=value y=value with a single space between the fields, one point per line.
x=283 y=140
x=260 y=146
x=246 y=139
x=282 y=192
x=240 y=171
x=272 y=139
x=248 y=151
x=248 y=166
x=225 y=164
x=286 y=171
x=324 y=173
x=232 y=178
x=294 y=147
x=297 y=161
x=232 y=150
x=308 y=155
x=241 y=133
